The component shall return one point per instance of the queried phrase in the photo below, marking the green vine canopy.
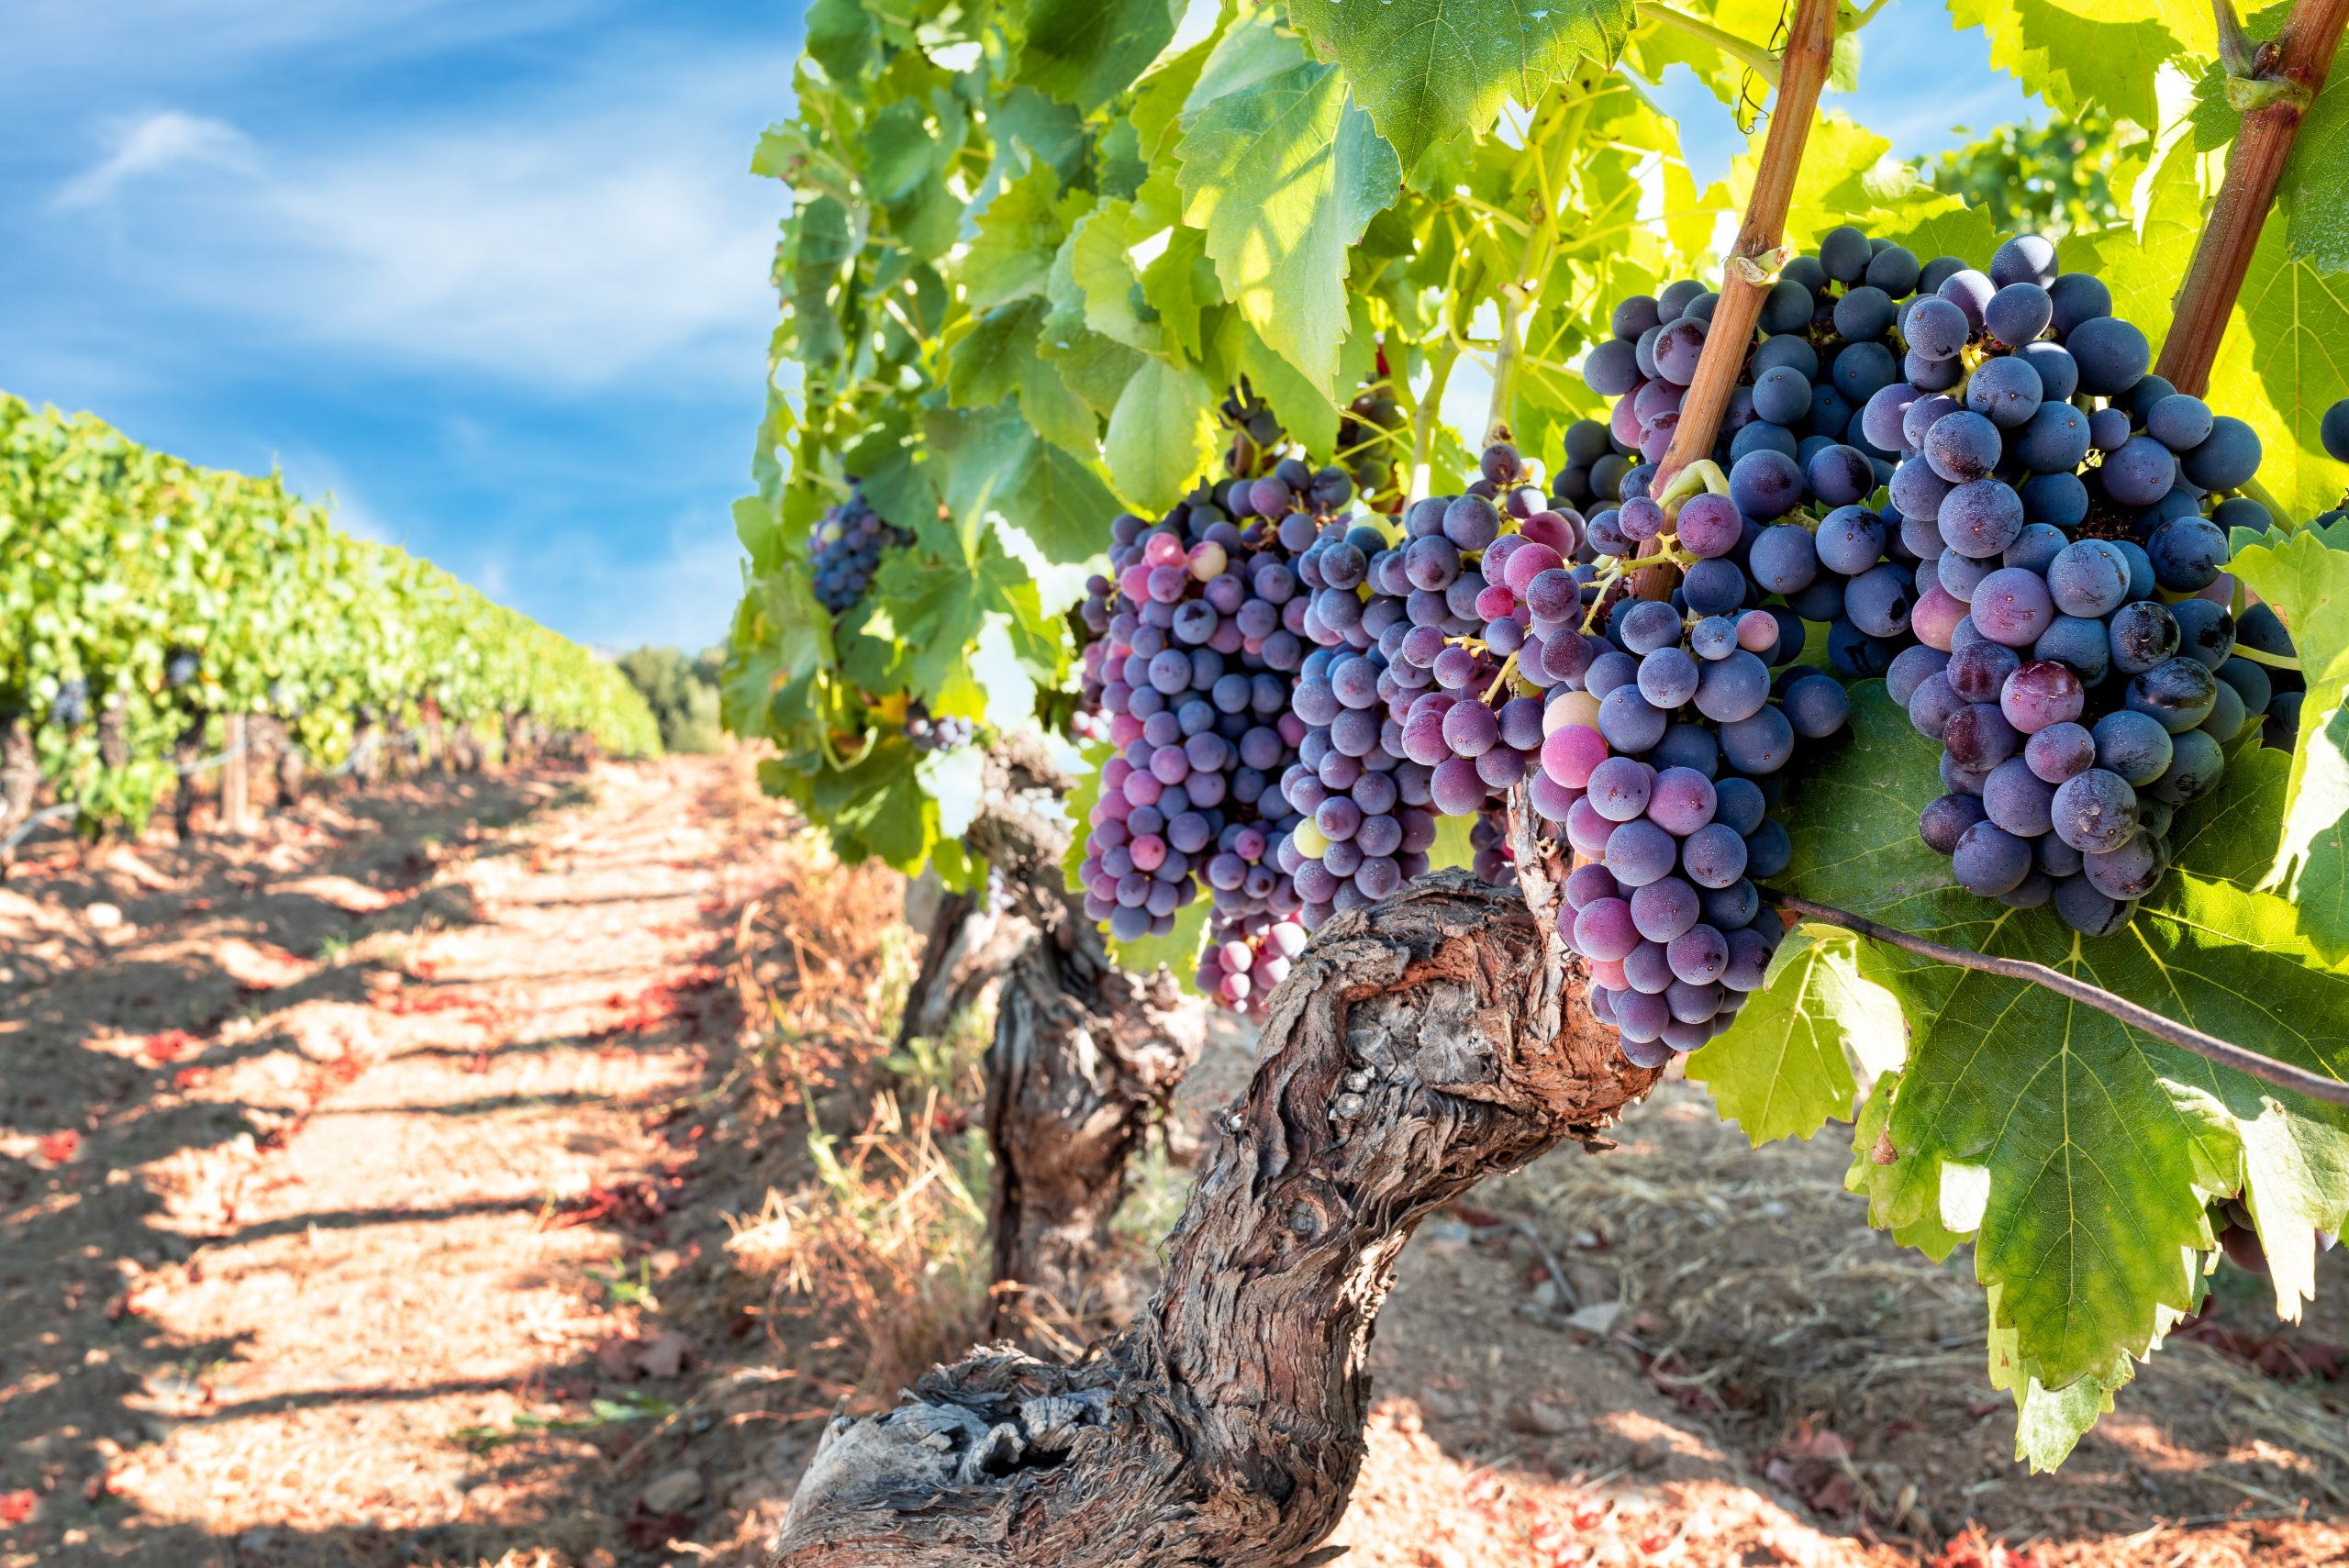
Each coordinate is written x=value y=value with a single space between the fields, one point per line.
x=1057 y=275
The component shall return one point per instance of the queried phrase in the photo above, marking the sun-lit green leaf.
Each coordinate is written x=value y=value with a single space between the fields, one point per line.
x=841 y=37
x=994 y=463
x=1017 y=237
x=1162 y=435
x=1283 y=176
x=1430 y=70
x=2284 y=360
x=1784 y=1070
x=2314 y=199
x=2306 y=584
x=2075 y=53
x=2081 y=1153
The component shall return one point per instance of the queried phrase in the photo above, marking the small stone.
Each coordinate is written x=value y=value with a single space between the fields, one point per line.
x=673 y=1491
x=103 y=916
x=1595 y=1318
x=1541 y=1417
x=665 y=1355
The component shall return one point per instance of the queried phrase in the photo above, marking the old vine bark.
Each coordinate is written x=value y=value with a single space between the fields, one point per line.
x=1418 y=1047
x=1085 y=1059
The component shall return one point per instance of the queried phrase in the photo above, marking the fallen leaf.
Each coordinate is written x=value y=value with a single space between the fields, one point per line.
x=58 y=1147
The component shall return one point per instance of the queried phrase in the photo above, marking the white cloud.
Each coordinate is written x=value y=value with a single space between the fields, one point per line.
x=153 y=144
x=562 y=243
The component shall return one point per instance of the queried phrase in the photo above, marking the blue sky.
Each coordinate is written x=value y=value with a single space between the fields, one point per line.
x=494 y=274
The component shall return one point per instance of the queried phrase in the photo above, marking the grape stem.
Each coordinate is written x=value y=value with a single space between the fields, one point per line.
x=2297 y=62
x=2142 y=1020
x=1750 y=55
x=1810 y=53
x=2273 y=661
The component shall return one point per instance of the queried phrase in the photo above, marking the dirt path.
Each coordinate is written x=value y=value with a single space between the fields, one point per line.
x=395 y=1191
x=305 y=1171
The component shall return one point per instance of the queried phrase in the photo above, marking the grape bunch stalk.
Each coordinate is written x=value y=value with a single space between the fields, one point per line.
x=844 y=550
x=2080 y=665
x=1196 y=635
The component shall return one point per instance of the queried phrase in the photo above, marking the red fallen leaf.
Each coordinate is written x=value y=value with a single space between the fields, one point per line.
x=1818 y=1444
x=189 y=1077
x=1481 y=1218
x=16 y=1508
x=169 y=1045
x=195 y=907
x=58 y=1147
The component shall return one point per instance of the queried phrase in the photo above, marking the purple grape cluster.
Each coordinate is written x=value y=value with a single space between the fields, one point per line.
x=2078 y=662
x=844 y=550
x=1424 y=696
x=1804 y=460
x=930 y=733
x=1198 y=637
x=1246 y=955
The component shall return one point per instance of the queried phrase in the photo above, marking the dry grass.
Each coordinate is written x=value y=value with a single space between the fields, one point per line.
x=872 y=1246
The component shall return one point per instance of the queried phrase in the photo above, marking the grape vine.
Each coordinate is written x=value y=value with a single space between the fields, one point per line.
x=1866 y=575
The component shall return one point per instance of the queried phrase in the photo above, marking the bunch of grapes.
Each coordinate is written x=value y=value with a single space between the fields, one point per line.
x=933 y=734
x=1198 y=638
x=844 y=550
x=1803 y=455
x=1424 y=697
x=2078 y=664
x=1246 y=956
x=70 y=709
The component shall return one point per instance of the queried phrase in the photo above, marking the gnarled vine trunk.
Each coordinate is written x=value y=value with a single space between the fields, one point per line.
x=19 y=772
x=1085 y=1060
x=1419 y=1046
x=187 y=750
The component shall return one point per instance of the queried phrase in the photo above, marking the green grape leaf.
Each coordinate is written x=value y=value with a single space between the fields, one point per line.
x=2140 y=261
x=936 y=599
x=2285 y=360
x=998 y=358
x=2081 y=1153
x=1053 y=133
x=2077 y=53
x=1305 y=411
x=822 y=244
x=2049 y=1422
x=1088 y=51
x=1099 y=264
x=874 y=808
x=1018 y=235
x=994 y=463
x=1253 y=50
x=841 y=38
x=2314 y=198
x=2306 y=584
x=1162 y=435
x=1283 y=176
x=1784 y=1069
x=1430 y=70
x=1179 y=284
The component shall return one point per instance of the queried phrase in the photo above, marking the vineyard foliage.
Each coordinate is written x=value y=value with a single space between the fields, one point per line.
x=175 y=596
x=1027 y=261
